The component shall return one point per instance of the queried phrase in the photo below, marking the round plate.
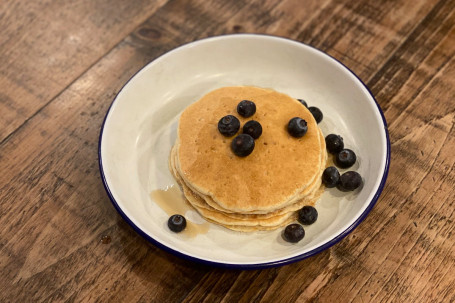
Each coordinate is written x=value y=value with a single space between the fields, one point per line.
x=140 y=128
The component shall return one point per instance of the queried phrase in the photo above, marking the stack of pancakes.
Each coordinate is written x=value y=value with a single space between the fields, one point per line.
x=262 y=191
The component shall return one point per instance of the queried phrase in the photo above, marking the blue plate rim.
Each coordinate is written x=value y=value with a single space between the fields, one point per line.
x=264 y=265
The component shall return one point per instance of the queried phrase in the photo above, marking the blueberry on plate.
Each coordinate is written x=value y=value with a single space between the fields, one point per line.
x=246 y=108
x=316 y=112
x=293 y=233
x=228 y=125
x=349 y=181
x=334 y=143
x=242 y=145
x=345 y=158
x=252 y=128
x=176 y=223
x=303 y=102
x=330 y=176
x=308 y=215
x=297 y=127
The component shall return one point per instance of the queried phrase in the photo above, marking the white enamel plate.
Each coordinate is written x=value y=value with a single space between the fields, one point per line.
x=140 y=128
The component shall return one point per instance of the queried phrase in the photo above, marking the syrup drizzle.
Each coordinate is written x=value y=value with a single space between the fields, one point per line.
x=172 y=202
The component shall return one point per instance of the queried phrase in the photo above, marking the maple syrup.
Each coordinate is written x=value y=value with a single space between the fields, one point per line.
x=172 y=202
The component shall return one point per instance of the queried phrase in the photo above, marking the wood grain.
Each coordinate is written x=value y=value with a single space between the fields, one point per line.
x=63 y=63
x=46 y=45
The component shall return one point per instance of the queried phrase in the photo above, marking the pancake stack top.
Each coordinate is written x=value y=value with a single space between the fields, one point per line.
x=262 y=191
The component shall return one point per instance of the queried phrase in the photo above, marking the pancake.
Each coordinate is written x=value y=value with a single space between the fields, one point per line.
x=303 y=198
x=246 y=222
x=262 y=191
x=242 y=219
x=250 y=228
x=272 y=176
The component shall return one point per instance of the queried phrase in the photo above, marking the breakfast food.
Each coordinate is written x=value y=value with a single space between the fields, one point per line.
x=308 y=215
x=228 y=125
x=242 y=145
x=293 y=233
x=246 y=108
x=316 y=112
x=253 y=128
x=349 y=181
x=330 y=177
x=255 y=180
x=334 y=143
x=303 y=102
x=345 y=158
x=297 y=127
x=176 y=223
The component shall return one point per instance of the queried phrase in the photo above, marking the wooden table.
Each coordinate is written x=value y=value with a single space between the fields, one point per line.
x=62 y=63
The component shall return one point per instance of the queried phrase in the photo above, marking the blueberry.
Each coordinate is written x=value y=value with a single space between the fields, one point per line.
x=246 y=108
x=176 y=223
x=297 y=127
x=349 y=181
x=242 y=145
x=334 y=143
x=316 y=112
x=303 y=102
x=345 y=158
x=253 y=128
x=228 y=125
x=308 y=215
x=293 y=233
x=330 y=176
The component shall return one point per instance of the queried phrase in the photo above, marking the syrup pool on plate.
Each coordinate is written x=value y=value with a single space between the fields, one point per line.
x=171 y=201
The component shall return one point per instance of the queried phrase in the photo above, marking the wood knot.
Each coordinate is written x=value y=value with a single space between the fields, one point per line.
x=237 y=28
x=149 y=33
x=105 y=239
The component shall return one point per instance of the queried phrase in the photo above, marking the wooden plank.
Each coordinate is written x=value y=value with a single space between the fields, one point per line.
x=435 y=28
x=45 y=45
